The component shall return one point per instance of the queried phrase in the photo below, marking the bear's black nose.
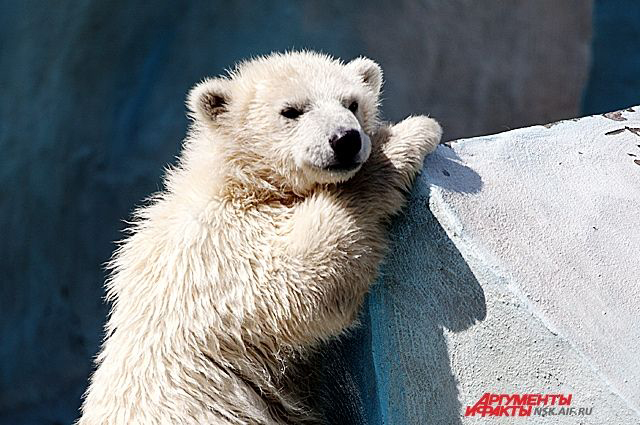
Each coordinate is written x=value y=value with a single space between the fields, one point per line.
x=346 y=147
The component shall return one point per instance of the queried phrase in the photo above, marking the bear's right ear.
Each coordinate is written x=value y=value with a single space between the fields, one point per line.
x=369 y=72
x=209 y=99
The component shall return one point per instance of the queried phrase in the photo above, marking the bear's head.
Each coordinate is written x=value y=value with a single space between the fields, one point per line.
x=287 y=122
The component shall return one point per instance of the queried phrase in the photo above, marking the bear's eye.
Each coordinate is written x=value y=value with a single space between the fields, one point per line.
x=291 y=112
x=353 y=106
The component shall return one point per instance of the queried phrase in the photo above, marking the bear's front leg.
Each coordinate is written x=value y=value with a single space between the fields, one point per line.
x=408 y=142
x=332 y=243
x=379 y=189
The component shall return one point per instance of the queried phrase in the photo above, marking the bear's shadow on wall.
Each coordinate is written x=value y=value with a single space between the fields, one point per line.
x=396 y=368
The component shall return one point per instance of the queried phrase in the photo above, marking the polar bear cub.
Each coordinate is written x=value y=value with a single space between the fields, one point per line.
x=262 y=245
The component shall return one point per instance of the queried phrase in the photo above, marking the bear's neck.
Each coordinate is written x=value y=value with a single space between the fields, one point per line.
x=206 y=173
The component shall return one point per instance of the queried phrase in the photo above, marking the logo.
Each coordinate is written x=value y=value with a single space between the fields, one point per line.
x=526 y=405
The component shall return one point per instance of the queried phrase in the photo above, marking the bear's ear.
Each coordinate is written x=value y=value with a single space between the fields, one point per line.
x=209 y=99
x=369 y=71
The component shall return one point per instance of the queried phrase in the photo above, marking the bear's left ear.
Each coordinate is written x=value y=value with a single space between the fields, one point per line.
x=369 y=71
x=209 y=99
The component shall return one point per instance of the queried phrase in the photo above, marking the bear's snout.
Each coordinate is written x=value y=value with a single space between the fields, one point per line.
x=346 y=147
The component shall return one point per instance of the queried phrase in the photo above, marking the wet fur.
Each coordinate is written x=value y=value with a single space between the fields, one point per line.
x=245 y=263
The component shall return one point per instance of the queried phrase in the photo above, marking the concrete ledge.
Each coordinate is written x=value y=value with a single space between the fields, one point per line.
x=515 y=270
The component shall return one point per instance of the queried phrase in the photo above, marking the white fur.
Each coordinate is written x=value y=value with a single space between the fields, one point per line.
x=255 y=252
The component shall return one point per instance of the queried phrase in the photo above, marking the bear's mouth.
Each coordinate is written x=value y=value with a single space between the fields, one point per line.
x=342 y=167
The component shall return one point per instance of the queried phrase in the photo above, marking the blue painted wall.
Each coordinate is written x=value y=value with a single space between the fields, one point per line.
x=614 y=81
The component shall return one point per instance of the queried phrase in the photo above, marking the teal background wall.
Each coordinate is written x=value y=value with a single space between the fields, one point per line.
x=613 y=81
x=91 y=110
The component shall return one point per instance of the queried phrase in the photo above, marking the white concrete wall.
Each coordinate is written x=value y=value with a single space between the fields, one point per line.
x=548 y=220
x=515 y=269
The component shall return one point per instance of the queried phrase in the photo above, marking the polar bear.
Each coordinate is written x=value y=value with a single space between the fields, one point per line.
x=262 y=245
